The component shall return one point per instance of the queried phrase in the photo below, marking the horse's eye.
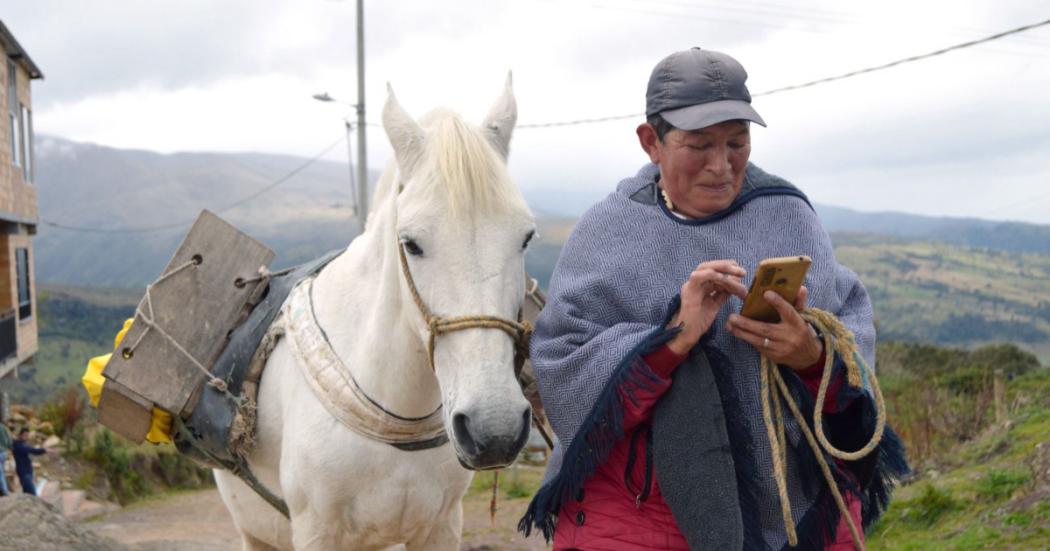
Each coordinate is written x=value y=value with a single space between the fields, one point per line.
x=528 y=238
x=412 y=248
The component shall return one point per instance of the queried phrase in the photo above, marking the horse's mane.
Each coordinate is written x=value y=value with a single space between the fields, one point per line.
x=461 y=165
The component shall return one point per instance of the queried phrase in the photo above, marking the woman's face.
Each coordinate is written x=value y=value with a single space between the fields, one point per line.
x=702 y=170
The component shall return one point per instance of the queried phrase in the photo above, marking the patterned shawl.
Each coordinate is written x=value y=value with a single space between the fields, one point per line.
x=611 y=295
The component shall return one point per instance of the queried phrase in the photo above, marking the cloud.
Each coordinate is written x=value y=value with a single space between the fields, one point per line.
x=238 y=75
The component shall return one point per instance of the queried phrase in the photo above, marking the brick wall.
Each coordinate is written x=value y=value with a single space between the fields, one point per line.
x=17 y=197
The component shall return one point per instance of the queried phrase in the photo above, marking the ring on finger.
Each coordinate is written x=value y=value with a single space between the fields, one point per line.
x=765 y=343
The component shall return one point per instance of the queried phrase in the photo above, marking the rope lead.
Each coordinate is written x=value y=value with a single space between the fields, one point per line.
x=839 y=339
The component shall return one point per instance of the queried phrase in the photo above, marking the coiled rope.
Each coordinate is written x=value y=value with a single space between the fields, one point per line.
x=839 y=339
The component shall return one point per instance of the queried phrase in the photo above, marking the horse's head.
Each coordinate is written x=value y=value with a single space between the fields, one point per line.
x=463 y=227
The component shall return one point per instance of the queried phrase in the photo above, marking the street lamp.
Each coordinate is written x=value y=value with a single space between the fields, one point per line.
x=358 y=185
x=359 y=107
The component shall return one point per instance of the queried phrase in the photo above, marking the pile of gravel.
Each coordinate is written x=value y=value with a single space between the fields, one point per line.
x=28 y=523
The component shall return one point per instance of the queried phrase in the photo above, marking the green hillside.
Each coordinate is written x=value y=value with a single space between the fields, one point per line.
x=922 y=291
x=939 y=293
x=979 y=484
x=75 y=324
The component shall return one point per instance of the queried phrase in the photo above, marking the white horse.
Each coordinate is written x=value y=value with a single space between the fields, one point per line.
x=446 y=201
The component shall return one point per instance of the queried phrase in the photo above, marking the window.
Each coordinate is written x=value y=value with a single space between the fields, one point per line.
x=12 y=110
x=27 y=143
x=25 y=299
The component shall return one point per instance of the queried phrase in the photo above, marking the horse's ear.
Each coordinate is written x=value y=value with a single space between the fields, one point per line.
x=499 y=124
x=406 y=136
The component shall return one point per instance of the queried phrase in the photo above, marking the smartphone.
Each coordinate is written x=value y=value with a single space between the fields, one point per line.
x=784 y=275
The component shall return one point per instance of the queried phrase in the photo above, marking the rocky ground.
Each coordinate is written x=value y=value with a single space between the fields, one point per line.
x=198 y=521
x=31 y=524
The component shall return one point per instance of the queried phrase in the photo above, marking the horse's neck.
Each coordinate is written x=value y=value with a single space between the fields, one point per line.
x=357 y=299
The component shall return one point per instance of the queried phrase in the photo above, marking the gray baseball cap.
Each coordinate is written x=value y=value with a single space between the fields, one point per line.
x=696 y=88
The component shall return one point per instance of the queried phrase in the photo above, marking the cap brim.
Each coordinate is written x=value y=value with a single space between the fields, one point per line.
x=695 y=117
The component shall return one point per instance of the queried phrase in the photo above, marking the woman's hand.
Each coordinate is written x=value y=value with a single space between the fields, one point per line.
x=792 y=342
x=703 y=295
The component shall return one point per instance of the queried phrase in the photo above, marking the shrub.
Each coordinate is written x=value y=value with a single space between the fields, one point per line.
x=179 y=471
x=64 y=412
x=999 y=484
x=930 y=506
x=112 y=457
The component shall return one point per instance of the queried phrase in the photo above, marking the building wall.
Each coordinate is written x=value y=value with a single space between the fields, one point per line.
x=18 y=200
x=18 y=219
x=9 y=288
x=26 y=328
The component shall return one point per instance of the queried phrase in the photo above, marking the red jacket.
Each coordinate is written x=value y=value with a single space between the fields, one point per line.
x=614 y=512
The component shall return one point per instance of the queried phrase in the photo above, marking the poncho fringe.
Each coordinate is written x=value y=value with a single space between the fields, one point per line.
x=601 y=430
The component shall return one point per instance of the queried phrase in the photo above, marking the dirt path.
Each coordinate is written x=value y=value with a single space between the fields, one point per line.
x=183 y=522
x=193 y=521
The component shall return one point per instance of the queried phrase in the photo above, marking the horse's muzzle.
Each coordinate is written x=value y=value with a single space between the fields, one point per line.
x=480 y=445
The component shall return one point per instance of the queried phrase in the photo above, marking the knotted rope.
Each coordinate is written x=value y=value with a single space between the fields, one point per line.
x=839 y=339
x=519 y=331
x=147 y=318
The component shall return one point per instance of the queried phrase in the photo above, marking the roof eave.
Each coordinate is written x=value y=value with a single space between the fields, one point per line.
x=15 y=51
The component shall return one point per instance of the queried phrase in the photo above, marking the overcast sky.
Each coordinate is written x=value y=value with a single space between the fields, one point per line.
x=963 y=134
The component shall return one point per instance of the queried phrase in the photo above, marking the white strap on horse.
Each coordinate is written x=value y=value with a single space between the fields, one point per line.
x=334 y=384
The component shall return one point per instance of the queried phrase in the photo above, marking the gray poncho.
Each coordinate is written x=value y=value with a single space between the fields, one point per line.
x=612 y=293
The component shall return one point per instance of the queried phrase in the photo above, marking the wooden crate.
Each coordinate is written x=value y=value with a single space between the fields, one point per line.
x=197 y=307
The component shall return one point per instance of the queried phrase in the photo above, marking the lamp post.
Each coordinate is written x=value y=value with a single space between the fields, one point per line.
x=358 y=183
x=361 y=203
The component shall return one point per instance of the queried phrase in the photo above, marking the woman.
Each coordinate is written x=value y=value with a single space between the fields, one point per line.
x=649 y=378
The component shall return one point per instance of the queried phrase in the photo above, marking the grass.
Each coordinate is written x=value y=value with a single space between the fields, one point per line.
x=516 y=482
x=977 y=500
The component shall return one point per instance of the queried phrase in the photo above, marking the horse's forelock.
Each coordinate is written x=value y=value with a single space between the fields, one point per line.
x=462 y=165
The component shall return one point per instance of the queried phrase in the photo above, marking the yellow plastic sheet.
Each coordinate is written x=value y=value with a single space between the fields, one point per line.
x=160 y=427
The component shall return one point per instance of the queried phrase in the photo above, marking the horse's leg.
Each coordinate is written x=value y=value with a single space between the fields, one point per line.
x=249 y=543
x=313 y=532
x=260 y=525
x=444 y=536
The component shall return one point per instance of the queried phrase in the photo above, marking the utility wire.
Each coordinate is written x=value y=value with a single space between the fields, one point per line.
x=996 y=36
x=574 y=122
x=148 y=229
x=843 y=76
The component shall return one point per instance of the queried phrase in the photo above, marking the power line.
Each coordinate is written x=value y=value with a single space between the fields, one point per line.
x=149 y=229
x=842 y=76
x=996 y=36
x=574 y=122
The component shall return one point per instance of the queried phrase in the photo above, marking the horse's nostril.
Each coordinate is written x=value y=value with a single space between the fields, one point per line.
x=461 y=426
x=526 y=423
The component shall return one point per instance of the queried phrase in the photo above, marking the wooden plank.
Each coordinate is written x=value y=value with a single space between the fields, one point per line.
x=197 y=307
x=124 y=412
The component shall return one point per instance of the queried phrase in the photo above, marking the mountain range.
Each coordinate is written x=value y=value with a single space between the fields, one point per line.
x=100 y=208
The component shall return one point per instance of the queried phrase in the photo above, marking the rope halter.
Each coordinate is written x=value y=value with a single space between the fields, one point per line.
x=519 y=331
